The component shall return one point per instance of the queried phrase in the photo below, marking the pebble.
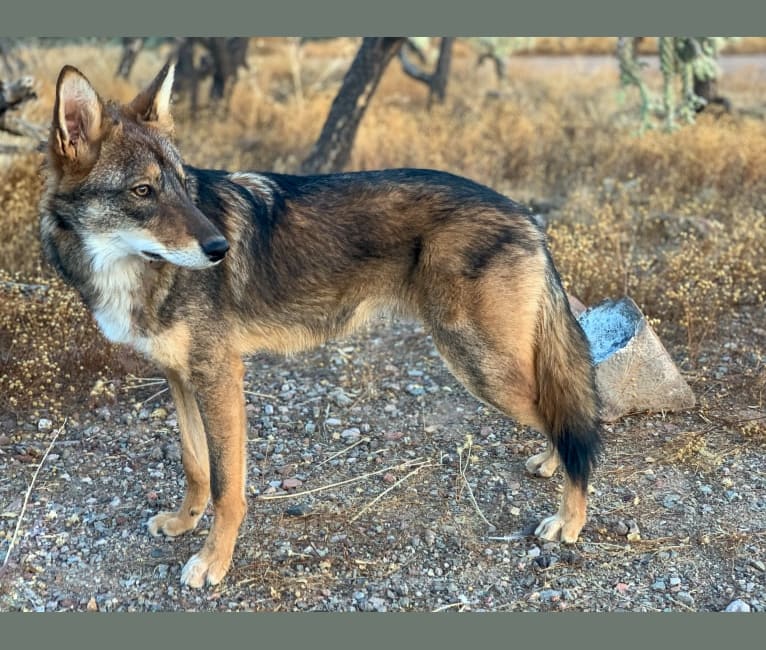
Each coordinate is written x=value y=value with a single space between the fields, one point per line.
x=291 y=483
x=310 y=427
x=332 y=422
x=351 y=435
x=686 y=598
x=674 y=581
x=737 y=606
x=298 y=510
x=159 y=414
x=659 y=585
x=44 y=424
x=757 y=564
x=550 y=595
x=415 y=390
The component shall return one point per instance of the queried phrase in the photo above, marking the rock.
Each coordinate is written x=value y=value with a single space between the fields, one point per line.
x=388 y=477
x=634 y=372
x=332 y=422
x=393 y=435
x=159 y=414
x=92 y=606
x=686 y=598
x=291 y=483
x=351 y=435
x=298 y=510
x=575 y=305
x=659 y=585
x=737 y=606
x=44 y=424
x=757 y=564
x=416 y=390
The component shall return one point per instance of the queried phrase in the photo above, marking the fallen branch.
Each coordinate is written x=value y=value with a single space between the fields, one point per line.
x=29 y=491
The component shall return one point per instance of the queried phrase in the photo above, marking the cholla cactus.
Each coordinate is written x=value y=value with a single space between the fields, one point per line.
x=690 y=59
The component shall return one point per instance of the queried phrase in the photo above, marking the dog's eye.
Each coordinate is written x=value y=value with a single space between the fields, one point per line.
x=142 y=190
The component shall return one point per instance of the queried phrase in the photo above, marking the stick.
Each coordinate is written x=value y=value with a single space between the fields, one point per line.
x=356 y=479
x=343 y=451
x=29 y=491
x=386 y=491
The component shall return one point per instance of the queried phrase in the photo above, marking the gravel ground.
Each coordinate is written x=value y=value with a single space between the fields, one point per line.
x=376 y=483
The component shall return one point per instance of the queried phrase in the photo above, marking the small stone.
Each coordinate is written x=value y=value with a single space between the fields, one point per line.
x=686 y=598
x=172 y=451
x=621 y=528
x=351 y=435
x=533 y=552
x=159 y=414
x=737 y=606
x=393 y=435
x=341 y=399
x=332 y=422
x=416 y=390
x=757 y=564
x=515 y=511
x=4 y=440
x=659 y=585
x=291 y=483
x=92 y=606
x=674 y=581
x=44 y=424
x=388 y=477
x=268 y=409
x=550 y=596
x=298 y=510
x=310 y=427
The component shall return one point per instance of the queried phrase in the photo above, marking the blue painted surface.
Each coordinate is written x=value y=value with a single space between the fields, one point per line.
x=609 y=326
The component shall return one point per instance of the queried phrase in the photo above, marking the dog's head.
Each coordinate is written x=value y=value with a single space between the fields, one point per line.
x=118 y=179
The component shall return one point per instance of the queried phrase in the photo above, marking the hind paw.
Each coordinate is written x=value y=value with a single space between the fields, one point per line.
x=171 y=524
x=543 y=464
x=556 y=528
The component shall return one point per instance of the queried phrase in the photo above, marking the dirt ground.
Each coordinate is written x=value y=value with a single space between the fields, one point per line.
x=395 y=507
x=375 y=481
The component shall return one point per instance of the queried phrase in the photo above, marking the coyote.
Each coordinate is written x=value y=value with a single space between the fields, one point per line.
x=195 y=268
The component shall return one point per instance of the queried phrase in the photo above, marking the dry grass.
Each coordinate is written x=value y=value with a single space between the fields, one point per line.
x=676 y=220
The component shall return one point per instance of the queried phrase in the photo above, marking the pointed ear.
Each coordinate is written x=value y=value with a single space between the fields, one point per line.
x=153 y=104
x=77 y=116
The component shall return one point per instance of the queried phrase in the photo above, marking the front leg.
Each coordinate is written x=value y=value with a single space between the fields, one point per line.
x=220 y=393
x=195 y=461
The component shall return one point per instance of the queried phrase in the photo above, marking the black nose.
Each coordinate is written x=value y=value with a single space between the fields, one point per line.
x=215 y=249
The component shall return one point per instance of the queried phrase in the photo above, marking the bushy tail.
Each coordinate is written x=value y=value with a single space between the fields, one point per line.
x=567 y=399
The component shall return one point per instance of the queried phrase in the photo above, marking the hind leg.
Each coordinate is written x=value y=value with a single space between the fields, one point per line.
x=504 y=376
x=545 y=463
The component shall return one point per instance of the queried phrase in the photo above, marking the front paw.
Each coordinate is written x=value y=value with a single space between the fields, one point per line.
x=204 y=568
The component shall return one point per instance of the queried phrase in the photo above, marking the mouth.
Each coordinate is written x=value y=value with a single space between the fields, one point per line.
x=152 y=257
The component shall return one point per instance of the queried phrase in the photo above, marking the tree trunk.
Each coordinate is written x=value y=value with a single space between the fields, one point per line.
x=130 y=49
x=436 y=80
x=333 y=148
x=438 y=86
x=221 y=60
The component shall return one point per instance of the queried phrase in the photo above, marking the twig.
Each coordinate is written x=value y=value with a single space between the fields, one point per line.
x=356 y=479
x=343 y=451
x=467 y=447
x=29 y=491
x=443 y=607
x=264 y=395
x=151 y=397
x=387 y=490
